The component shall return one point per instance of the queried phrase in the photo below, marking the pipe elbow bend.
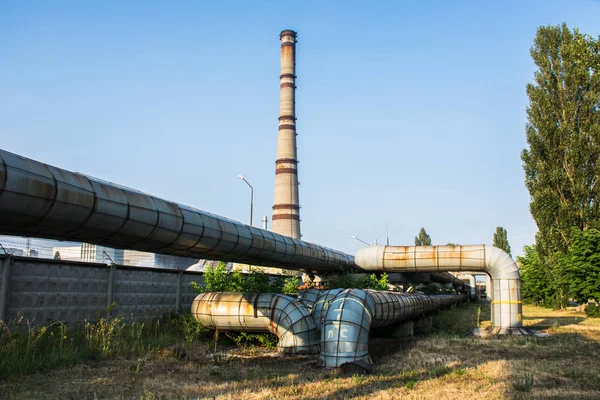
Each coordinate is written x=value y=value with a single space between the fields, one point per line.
x=281 y=315
x=499 y=264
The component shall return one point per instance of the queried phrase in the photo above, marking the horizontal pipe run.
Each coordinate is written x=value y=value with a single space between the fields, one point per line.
x=504 y=272
x=40 y=200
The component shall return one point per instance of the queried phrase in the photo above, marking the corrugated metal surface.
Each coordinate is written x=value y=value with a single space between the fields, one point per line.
x=504 y=272
x=281 y=315
x=353 y=312
x=40 y=200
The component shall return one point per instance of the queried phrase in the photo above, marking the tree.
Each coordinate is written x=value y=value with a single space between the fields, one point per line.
x=581 y=267
x=501 y=239
x=562 y=167
x=423 y=239
x=536 y=284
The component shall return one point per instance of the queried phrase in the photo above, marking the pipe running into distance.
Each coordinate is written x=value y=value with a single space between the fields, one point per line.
x=354 y=312
x=504 y=272
x=40 y=200
x=472 y=285
x=281 y=315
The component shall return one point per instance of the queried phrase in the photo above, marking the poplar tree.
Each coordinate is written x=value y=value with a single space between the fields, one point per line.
x=423 y=239
x=501 y=239
x=562 y=162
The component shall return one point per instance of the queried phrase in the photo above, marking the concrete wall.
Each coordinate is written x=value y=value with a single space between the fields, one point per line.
x=42 y=290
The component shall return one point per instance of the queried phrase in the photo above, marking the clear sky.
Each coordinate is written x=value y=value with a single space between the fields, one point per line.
x=408 y=112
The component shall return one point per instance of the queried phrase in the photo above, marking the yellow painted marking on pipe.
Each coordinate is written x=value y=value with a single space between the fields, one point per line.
x=506 y=301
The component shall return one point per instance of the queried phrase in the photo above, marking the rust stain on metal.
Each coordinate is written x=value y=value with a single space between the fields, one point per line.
x=272 y=316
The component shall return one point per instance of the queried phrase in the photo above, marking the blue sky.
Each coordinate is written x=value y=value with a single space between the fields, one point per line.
x=408 y=112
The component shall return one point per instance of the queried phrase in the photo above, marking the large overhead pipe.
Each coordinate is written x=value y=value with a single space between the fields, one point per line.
x=286 y=205
x=281 y=315
x=354 y=312
x=44 y=201
x=504 y=273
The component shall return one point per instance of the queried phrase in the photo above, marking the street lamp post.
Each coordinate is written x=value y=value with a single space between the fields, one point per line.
x=251 y=197
x=360 y=240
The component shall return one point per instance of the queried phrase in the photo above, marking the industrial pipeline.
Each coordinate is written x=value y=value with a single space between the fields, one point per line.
x=335 y=324
x=40 y=200
x=503 y=271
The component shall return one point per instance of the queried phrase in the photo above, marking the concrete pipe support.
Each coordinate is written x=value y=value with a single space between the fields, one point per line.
x=504 y=273
x=265 y=312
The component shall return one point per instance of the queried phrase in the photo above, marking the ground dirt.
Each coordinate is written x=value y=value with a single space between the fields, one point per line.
x=445 y=364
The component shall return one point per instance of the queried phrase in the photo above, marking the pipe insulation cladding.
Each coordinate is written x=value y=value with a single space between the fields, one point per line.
x=504 y=272
x=347 y=318
x=40 y=200
x=472 y=284
x=281 y=315
x=353 y=312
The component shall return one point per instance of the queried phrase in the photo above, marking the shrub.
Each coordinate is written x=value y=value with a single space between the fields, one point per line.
x=217 y=279
x=593 y=310
x=290 y=285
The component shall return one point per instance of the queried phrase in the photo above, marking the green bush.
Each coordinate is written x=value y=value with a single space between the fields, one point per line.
x=358 y=281
x=290 y=285
x=245 y=340
x=217 y=279
x=592 y=311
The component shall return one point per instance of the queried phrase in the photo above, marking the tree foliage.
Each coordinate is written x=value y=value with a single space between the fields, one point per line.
x=358 y=281
x=581 y=266
x=501 y=239
x=218 y=279
x=423 y=239
x=562 y=163
x=536 y=284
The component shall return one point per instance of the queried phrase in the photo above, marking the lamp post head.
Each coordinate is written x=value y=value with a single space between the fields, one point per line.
x=241 y=177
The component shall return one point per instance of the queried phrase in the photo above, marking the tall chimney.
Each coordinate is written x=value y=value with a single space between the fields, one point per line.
x=286 y=206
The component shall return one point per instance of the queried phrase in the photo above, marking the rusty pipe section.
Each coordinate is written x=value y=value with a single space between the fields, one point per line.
x=44 y=201
x=353 y=312
x=281 y=315
x=504 y=272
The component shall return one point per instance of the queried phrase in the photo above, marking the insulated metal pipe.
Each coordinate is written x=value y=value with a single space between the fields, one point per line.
x=472 y=288
x=40 y=200
x=504 y=272
x=353 y=312
x=260 y=312
x=286 y=204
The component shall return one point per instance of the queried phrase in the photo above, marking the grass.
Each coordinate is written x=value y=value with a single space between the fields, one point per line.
x=25 y=348
x=444 y=364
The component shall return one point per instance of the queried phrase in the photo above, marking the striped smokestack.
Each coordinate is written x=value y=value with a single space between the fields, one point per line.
x=286 y=206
